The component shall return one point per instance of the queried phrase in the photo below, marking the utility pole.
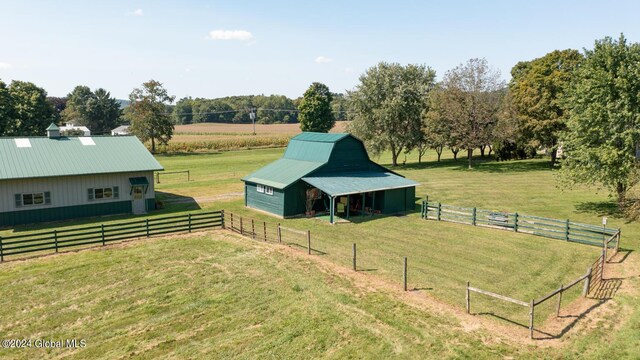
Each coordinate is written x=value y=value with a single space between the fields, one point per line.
x=252 y=115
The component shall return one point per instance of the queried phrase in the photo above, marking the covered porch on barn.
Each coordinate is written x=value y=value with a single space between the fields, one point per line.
x=363 y=193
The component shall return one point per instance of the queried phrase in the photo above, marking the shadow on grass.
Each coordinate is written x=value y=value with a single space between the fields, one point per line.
x=618 y=259
x=486 y=164
x=600 y=208
x=571 y=325
x=302 y=247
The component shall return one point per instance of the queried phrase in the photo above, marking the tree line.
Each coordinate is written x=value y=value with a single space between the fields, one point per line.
x=585 y=104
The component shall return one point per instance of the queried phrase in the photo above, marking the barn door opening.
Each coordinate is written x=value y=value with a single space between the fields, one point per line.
x=137 y=200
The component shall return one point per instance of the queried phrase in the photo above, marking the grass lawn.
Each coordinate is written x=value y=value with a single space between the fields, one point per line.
x=442 y=257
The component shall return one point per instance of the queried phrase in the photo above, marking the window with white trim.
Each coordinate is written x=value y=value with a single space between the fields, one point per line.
x=268 y=190
x=105 y=193
x=33 y=199
x=260 y=188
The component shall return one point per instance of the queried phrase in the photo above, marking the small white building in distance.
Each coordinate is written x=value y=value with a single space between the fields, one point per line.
x=121 y=130
x=72 y=126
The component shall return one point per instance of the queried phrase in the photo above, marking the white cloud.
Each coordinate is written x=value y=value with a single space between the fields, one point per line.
x=136 y=12
x=241 y=35
x=323 y=59
x=5 y=66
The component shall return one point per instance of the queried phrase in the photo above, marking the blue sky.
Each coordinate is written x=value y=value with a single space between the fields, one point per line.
x=222 y=48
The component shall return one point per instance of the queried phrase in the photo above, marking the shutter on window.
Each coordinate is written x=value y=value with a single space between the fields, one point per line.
x=18 y=200
x=116 y=192
x=90 y=193
x=47 y=197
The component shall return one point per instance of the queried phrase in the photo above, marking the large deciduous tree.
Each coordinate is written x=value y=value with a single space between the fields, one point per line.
x=468 y=101
x=7 y=116
x=604 y=119
x=315 y=109
x=148 y=113
x=538 y=90
x=31 y=110
x=387 y=107
x=96 y=110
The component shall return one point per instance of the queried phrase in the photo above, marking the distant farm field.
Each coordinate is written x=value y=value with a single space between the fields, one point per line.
x=247 y=129
x=279 y=302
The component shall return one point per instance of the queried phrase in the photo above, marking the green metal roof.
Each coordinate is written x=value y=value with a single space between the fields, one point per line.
x=43 y=157
x=358 y=182
x=282 y=172
x=320 y=137
x=53 y=127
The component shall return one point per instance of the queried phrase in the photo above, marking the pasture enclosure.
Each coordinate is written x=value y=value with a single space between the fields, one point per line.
x=534 y=225
x=43 y=242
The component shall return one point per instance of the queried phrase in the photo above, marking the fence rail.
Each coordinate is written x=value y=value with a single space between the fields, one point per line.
x=56 y=240
x=534 y=225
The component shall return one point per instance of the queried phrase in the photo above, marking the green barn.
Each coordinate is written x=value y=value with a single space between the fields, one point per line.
x=327 y=174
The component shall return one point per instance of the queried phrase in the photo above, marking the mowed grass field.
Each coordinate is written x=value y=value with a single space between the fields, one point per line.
x=442 y=257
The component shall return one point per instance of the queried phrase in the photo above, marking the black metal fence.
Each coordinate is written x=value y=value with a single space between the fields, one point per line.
x=44 y=242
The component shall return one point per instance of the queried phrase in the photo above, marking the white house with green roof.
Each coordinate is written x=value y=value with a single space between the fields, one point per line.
x=57 y=177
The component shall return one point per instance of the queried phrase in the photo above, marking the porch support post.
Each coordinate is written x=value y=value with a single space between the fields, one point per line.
x=373 y=203
x=331 y=210
x=362 y=210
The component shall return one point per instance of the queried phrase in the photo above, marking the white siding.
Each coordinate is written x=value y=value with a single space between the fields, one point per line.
x=69 y=190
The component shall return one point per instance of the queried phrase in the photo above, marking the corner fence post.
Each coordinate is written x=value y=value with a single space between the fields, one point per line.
x=515 y=222
x=147 y=226
x=309 y=242
x=354 y=257
x=404 y=274
x=566 y=231
x=468 y=300
x=473 y=219
x=55 y=238
x=559 y=300
x=102 y=233
x=439 y=210
x=531 y=309
x=587 y=282
x=189 y=215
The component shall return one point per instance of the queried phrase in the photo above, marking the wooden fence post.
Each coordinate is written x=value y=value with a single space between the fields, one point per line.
x=439 y=210
x=222 y=218
x=424 y=206
x=147 y=224
x=309 y=242
x=566 y=230
x=618 y=241
x=55 y=239
x=515 y=222
x=102 y=233
x=241 y=229
x=189 y=222
x=404 y=274
x=253 y=230
x=473 y=219
x=265 y=230
x=279 y=234
x=231 y=214
x=468 y=299
x=559 y=301
x=188 y=175
x=354 y=257
x=587 y=282
x=602 y=264
x=531 y=309
x=426 y=209
x=158 y=177
x=1 y=250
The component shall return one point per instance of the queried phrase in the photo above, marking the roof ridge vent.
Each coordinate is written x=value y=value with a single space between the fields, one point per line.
x=53 y=131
